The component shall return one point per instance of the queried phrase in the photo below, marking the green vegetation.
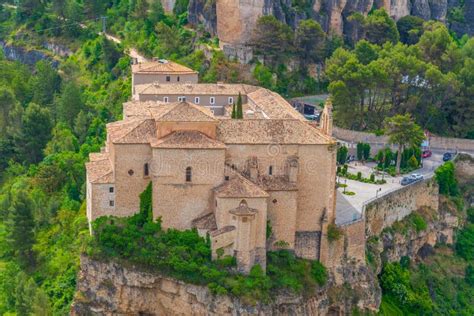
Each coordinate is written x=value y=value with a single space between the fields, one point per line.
x=342 y=155
x=363 y=151
x=334 y=233
x=186 y=256
x=446 y=179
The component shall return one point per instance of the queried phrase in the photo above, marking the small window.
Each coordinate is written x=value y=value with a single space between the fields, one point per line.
x=130 y=172
x=146 y=169
x=168 y=79
x=111 y=203
x=274 y=201
x=181 y=99
x=270 y=170
x=212 y=100
x=196 y=100
x=111 y=189
x=165 y=99
x=244 y=219
x=226 y=178
x=231 y=100
x=177 y=79
x=189 y=174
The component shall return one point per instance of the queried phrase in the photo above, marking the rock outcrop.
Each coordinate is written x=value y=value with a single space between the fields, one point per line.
x=234 y=20
x=110 y=288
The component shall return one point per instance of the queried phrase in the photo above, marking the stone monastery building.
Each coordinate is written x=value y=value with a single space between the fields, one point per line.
x=228 y=178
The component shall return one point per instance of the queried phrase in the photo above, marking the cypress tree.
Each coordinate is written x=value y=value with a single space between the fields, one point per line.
x=234 y=113
x=20 y=228
x=239 y=113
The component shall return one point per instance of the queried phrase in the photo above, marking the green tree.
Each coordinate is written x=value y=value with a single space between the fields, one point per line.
x=234 y=112
x=410 y=28
x=366 y=52
x=380 y=28
x=239 y=111
x=404 y=132
x=69 y=104
x=310 y=42
x=342 y=155
x=434 y=42
x=272 y=39
x=45 y=83
x=20 y=228
x=24 y=294
x=63 y=140
x=465 y=242
x=446 y=178
x=7 y=102
x=35 y=133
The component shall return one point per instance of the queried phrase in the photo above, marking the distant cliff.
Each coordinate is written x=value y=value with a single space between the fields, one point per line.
x=233 y=20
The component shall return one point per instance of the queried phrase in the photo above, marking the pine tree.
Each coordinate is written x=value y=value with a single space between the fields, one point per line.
x=239 y=112
x=20 y=228
x=234 y=113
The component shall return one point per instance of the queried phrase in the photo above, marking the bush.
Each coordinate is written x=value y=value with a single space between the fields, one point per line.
x=446 y=179
x=334 y=233
x=469 y=276
x=465 y=242
x=359 y=175
x=470 y=214
x=372 y=177
x=350 y=193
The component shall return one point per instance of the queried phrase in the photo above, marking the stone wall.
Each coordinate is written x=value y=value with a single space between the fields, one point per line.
x=394 y=206
x=378 y=142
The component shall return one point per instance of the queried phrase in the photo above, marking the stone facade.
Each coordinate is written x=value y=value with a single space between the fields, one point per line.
x=223 y=176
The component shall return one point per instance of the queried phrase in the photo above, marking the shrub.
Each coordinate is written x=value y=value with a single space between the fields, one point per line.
x=465 y=242
x=418 y=222
x=319 y=272
x=372 y=177
x=470 y=214
x=413 y=162
x=446 y=179
x=359 y=175
x=334 y=233
x=350 y=193
x=469 y=276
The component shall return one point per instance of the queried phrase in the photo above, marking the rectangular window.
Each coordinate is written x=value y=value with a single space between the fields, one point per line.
x=168 y=79
x=111 y=189
x=231 y=100
x=111 y=203
x=212 y=100
x=165 y=99
x=270 y=170
x=196 y=100
x=181 y=99
x=177 y=79
x=146 y=169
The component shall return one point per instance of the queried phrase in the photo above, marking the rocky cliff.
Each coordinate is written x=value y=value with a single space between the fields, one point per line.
x=110 y=288
x=234 y=20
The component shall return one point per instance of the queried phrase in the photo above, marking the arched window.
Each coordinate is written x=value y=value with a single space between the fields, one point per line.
x=146 y=170
x=270 y=170
x=189 y=174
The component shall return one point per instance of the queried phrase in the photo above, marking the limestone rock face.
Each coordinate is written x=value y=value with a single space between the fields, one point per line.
x=234 y=20
x=109 y=288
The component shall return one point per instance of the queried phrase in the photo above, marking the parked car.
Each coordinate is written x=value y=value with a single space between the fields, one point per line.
x=416 y=177
x=447 y=156
x=350 y=158
x=426 y=153
x=406 y=180
x=311 y=117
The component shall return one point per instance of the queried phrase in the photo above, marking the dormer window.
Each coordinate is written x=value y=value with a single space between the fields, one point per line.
x=189 y=174
x=270 y=170
x=212 y=100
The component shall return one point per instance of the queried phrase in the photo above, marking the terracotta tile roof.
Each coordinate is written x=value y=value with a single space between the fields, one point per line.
x=207 y=221
x=99 y=170
x=161 y=67
x=139 y=108
x=239 y=186
x=222 y=230
x=276 y=183
x=231 y=131
x=132 y=131
x=181 y=112
x=195 y=89
x=187 y=139
x=272 y=105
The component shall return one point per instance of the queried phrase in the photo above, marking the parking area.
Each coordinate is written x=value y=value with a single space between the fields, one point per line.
x=349 y=207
